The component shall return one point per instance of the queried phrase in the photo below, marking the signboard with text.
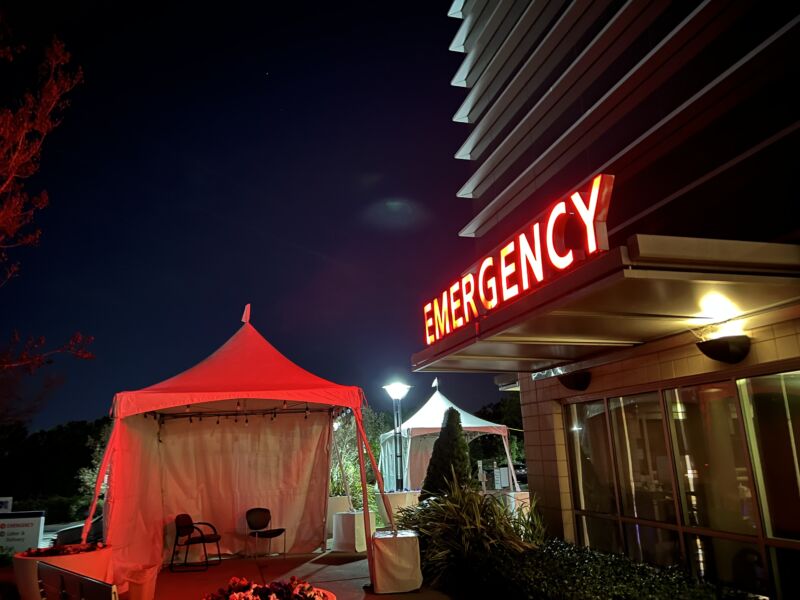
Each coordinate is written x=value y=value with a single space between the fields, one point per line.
x=20 y=530
x=530 y=258
x=5 y=503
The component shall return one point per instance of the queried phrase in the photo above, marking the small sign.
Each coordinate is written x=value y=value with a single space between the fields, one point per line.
x=5 y=504
x=20 y=531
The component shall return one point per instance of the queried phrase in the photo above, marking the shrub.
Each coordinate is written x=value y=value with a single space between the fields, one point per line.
x=459 y=530
x=473 y=546
x=450 y=455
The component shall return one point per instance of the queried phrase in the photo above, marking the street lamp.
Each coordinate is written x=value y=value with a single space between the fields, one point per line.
x=397 y=391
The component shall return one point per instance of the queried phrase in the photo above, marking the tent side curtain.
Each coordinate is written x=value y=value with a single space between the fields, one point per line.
x=214 y=473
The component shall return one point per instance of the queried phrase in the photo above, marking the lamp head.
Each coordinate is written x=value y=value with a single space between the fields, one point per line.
x=397 y=390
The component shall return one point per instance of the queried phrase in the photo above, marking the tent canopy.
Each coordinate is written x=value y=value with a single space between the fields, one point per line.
x=273 y=450
x=246 y=367
x=420 y=432
x=429 y=418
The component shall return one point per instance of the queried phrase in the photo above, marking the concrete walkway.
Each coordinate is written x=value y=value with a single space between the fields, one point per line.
x=341 y=573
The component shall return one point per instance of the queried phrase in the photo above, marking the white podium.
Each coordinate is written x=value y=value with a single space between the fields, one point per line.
x=348 y=531
x=396 y=562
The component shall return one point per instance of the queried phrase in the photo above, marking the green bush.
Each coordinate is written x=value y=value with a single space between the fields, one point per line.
x=450 y=455
x=461 y=528
x=57 y=509
x=473 y=546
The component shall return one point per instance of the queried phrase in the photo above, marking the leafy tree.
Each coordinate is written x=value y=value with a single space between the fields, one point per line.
x=24 y=124
x=375 y=423
x=87 y=476
x=490 y=447
x=450 y=457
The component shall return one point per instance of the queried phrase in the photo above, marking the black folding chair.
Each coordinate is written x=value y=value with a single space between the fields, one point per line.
x=185 y=530
x=258 y=519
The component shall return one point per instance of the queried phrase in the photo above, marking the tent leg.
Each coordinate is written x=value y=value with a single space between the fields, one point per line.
x=512 y=474
x=98 y=485
x=377 y=471
x=365 y=499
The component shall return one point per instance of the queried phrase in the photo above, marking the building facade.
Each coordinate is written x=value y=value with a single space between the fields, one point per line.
x=636 y=271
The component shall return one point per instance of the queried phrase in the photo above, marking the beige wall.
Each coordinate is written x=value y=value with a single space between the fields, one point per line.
x=672 y=361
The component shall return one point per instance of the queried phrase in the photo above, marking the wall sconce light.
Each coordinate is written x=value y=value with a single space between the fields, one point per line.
x=578 y=381
x=729 y=349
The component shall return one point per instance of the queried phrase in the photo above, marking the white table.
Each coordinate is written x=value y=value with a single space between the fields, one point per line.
x=348 y=531
x=397 y=563
x=396 y=501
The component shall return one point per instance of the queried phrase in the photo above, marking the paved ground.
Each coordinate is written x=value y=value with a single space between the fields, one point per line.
x=342 y=573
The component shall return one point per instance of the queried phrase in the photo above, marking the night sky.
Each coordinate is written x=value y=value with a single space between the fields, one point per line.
x=301 y=161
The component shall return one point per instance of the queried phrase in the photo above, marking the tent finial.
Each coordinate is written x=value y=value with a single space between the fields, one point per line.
x=246 y=314
x=435 y=383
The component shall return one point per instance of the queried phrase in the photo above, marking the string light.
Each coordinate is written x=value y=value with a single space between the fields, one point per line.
x=217 y=419
x=274 y=414
x=190 y=419
x=187 y=408
x=246 y=420
x=238 y=405
x=306 y=417
x=284 y=404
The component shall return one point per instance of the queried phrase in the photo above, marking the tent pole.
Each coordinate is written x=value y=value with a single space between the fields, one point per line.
x=365 y=500
x=345 y=483
x=378 y=476
x=512 y=474
x=98 y=485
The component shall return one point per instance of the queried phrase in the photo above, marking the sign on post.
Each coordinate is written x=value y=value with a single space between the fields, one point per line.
x=20 y=531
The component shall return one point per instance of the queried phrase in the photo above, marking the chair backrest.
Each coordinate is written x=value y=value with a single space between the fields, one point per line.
x=183 y=525
x=60 y=584
x=258 y=518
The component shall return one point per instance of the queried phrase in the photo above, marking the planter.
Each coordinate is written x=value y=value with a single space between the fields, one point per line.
x=335 y=504
x=95 y=564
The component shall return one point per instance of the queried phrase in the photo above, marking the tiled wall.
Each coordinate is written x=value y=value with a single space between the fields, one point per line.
x=653 y=364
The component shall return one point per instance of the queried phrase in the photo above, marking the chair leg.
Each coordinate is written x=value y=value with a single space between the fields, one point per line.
x=172 y=558
x=219 y=555
x=205 y=557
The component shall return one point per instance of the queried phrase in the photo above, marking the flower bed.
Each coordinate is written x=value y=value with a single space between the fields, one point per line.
x=240 y=588
x=64 y=550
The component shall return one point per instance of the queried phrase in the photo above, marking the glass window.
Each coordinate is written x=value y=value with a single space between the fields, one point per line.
x=599 y=534
x=643 y=462
x=771 y=408
x=783 y=562
x=652 y=544
x=729 y=562
x=711 y=456
x=592 y=475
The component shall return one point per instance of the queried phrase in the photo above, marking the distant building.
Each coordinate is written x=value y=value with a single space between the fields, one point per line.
x=638 y=439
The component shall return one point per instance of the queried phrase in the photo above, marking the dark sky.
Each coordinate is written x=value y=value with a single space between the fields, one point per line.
x=297 y=159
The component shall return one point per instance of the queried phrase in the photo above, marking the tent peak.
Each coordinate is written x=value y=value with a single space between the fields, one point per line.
x=246 y=314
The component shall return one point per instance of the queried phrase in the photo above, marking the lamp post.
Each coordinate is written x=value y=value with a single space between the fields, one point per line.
x=397 y=391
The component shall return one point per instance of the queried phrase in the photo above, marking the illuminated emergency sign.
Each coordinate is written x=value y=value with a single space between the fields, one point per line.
x=527 y=260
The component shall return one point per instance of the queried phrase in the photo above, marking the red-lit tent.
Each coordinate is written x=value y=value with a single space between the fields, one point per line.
x=245 y=427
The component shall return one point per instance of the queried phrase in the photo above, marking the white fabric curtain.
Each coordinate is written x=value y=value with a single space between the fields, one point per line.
x=215 y=473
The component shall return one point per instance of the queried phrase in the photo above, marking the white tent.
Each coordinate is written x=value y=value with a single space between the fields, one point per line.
x=246 y=427
x=418 y=435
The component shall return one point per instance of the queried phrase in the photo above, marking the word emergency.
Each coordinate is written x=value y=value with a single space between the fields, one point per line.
x=518 y=266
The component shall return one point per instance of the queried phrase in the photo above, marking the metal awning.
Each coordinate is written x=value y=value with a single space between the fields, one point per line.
x=649 y=289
